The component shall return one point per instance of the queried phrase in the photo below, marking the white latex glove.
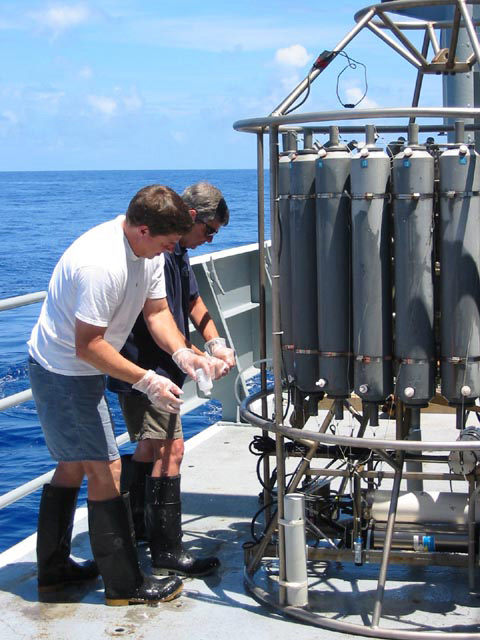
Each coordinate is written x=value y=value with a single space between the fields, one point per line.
x=218 y=368
x=187 y=360
x=217 y=347
x=161 y=391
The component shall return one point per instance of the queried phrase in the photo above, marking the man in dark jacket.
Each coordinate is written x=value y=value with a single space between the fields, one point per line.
x=152 y=474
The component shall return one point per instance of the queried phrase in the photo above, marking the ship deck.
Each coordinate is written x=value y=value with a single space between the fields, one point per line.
x=220 y=496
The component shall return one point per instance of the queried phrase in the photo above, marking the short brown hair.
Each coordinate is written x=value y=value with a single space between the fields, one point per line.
x=161 y=209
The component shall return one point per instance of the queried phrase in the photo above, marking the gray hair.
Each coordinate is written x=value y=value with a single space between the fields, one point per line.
x=207 y=201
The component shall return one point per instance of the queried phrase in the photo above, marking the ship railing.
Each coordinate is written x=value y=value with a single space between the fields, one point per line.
x=16 y=399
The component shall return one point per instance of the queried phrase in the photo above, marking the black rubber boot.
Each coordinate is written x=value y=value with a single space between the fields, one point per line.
x=114 y=550
x=163 y=519
x=55 y=524
x=133 y=481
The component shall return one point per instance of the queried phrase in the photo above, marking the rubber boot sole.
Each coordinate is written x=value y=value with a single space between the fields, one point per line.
x=64 y=584
x=159 y=571
x=123 y=602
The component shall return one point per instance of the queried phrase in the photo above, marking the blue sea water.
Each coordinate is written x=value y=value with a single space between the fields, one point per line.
x=41 y=214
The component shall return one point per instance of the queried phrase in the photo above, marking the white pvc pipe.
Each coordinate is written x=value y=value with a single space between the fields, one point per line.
x=422 y=506
x=295 y=550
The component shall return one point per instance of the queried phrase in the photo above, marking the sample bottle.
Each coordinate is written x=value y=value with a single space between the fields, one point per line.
x=204 y=384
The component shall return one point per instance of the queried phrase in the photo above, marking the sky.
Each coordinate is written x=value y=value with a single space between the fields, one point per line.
x=158 y=84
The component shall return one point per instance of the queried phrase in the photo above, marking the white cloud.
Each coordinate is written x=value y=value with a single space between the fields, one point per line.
x=43 y=96
x=85 y=72
x=180 y=137
x=288 y=63
x=105 y=105
x=10 y=116
x=58 y=18
x=293 y=56
x=353 y=96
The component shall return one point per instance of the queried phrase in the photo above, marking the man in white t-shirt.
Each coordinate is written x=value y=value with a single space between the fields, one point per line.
x=98 y=288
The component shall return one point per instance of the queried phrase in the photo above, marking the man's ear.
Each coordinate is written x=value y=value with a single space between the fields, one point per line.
x=193 y=213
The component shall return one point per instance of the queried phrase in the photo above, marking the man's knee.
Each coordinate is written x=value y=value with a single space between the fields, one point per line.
x=176 y=449
x=68 y=474
x=169 y=453
x=103 y=477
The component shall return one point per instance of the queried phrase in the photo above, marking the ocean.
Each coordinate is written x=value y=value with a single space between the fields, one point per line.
x=41 y=214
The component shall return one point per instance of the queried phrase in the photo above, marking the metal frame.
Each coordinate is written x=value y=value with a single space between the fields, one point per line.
x=394 y=451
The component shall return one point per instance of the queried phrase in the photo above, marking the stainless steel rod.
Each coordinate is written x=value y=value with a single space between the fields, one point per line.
x=350 y=441
x=300 y=88
x=419 y=57
x=252 y=124
x=262 y=300
x=419 y=80
x=382 y=576
x=470 y=28
x=277 y=347
x=472 y=567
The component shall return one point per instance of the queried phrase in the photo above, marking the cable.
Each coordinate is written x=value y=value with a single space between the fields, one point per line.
x=252 y=524
x=321 y=63
x=309 y=84
x=352 y=64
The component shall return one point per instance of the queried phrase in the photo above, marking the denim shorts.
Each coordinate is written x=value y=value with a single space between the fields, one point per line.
x=74 y=415
x=143 y=420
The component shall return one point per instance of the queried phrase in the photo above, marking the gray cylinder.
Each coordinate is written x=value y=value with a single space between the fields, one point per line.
x=460 y=274
x=333 y=268
x=372 y=309
x=304 y=276
x=284 y=267
x=413 y=184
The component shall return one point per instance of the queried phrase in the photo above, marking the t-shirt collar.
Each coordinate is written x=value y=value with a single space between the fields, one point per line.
x=128 y=249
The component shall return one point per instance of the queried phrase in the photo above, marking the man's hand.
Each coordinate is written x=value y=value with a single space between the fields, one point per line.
x=187 y=360
x=161 y=391
x=217 y=347
x=218 y=368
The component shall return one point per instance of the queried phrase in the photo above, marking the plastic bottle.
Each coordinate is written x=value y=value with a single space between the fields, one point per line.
x=357 y=550
x=204 y=384
x=424 y=542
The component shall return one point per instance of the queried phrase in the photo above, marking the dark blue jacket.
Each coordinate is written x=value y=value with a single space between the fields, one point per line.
x=182 y=289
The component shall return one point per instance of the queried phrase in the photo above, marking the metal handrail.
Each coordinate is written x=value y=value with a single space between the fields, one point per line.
x=24 y=396
x=254 y=125
x=14 y=303
x=32 y=485
x=346 y=441
x=22 y=301
x=19 y=398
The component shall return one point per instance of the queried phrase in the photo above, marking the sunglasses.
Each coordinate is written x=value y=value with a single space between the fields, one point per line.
x=209 y=231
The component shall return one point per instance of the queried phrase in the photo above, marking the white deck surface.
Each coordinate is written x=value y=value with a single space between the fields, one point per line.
x=220 y=496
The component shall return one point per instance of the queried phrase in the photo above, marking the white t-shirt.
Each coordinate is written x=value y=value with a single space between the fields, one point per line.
x=100 y=281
